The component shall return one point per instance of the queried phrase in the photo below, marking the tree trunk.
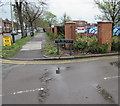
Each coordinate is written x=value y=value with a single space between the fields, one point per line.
x=31 y=25
x=21 y=25
x=19 y=6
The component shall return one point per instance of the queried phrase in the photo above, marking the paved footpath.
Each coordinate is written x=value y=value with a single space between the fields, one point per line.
x=33 y=48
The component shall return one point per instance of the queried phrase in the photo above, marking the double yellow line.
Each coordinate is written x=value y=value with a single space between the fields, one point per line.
x=56 y=61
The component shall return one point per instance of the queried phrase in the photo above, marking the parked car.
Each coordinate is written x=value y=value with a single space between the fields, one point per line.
x=19 y=31
x=14 y=32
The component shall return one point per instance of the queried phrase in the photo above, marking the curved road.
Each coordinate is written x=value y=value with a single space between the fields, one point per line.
x=82 y=81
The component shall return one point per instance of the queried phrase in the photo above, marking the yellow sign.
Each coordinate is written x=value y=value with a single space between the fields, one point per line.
x=12 y=26
x=7 y=41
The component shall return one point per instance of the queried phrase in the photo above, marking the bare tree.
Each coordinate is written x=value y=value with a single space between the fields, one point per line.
x=110 y=10
x=19 y=7
x=32 y=11
x=65 y=18
x=50 y=18
x=2 y=3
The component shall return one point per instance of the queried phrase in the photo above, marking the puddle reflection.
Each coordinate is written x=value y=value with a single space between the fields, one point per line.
x=116 y=63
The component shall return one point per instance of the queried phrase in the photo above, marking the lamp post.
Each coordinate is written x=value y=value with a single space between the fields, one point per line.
x=12 y=34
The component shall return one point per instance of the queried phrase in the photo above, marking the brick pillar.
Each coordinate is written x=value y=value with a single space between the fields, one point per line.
x=70 y=31
x=105 y=33
x=55 y=31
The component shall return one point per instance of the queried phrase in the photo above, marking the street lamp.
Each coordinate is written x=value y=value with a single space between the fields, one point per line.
x=12 y=34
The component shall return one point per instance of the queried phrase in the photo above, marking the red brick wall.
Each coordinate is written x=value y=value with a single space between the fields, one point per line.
x=70 y=31
x=105 y=33
x=55 y=30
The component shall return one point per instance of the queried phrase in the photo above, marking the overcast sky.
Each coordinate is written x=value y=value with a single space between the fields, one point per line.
x=76 y=9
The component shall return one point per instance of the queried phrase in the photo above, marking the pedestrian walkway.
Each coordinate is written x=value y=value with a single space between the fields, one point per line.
x=33 y=48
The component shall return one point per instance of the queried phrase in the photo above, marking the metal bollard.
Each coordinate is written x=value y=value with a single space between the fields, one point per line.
x=13 y=38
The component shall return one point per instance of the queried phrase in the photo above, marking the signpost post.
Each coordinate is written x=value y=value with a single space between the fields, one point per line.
x=64 y=41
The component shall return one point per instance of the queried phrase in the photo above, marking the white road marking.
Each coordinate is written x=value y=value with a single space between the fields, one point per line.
x=24 y=91
x=106 y=78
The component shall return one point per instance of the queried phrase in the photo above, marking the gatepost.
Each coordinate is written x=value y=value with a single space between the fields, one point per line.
x=105 y=33
x=55 y=31
x=70 y=31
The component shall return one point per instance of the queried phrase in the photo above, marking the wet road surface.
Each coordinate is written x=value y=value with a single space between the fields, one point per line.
x=90 y=82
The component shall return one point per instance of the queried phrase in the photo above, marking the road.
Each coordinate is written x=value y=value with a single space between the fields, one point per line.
x=82 y=81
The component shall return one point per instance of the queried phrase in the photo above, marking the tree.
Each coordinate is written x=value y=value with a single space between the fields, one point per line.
x=32 y=11
x=40 y=22
x=110 y=10
x=65 y=18
x=50 y=18
x=1 y=3
x=19 y=6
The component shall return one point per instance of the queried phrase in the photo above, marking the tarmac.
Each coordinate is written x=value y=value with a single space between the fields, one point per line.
x=33 y=50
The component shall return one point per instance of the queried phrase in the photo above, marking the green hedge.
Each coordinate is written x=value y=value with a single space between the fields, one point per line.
x=89 y=44
x=116 y=43
x=52 y=36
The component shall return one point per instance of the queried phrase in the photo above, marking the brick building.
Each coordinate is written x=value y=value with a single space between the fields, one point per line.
x=6 y=26
x=80 y=23
x=83 y=23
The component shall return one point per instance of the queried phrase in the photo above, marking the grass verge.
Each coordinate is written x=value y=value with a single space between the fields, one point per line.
x=9 y=51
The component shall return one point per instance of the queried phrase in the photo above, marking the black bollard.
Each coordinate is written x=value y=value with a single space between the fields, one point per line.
x=31 y=33
x=13 y=38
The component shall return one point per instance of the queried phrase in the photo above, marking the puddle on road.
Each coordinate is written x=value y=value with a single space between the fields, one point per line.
x=116 y=63
x=104 y=93
x=49 y=75
x=45 y=79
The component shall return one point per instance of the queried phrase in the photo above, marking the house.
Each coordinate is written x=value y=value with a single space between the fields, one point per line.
x=6 y=26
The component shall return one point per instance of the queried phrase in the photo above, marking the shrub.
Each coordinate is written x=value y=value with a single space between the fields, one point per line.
x=52 y=51
x=99 y=48
x=89 y=44
x=50 y=35
x=85 y=43
x=60 y=36
x=116 y=43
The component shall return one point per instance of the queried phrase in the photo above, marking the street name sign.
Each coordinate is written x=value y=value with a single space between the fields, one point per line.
x=64 y=41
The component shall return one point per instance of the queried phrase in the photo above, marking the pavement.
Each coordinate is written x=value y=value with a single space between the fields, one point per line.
x=33 y=48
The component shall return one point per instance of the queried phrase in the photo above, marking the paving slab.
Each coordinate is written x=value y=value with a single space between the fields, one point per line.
x=33 y=48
